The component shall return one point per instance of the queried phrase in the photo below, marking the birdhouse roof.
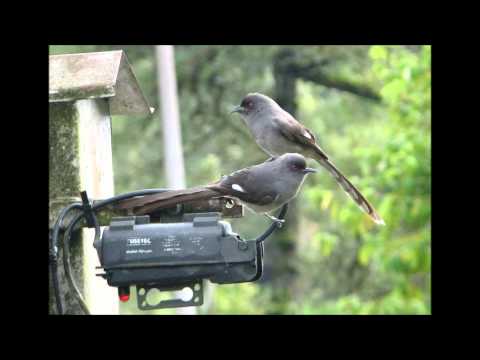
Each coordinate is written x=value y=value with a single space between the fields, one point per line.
x=97 y=75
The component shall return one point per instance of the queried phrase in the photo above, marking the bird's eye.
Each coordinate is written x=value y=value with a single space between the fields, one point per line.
x=249 y=104
x=297 y=167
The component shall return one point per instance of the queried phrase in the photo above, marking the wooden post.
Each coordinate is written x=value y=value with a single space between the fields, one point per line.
x=84 y=90
x=172 y=137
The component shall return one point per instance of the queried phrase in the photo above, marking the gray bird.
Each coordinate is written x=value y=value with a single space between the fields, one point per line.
x=261 y=188
x=277 y=132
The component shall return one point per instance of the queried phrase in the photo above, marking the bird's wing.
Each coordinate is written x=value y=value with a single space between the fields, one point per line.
x=247 y=185
x=295 y=132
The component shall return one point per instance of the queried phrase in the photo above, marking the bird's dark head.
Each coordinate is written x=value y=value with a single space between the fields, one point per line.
x=295 y=163
x=254 y=103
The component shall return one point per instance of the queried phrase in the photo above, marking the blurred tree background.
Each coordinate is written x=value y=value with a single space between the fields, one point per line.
x=370 y=107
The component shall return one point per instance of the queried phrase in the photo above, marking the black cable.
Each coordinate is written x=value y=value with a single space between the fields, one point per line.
x=66 y=242
x=54 y=255
x=56 y=227
x=274 y=226
x=56 y=287
x=66 y=261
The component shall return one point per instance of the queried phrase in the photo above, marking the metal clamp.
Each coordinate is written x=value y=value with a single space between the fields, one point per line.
x=196 y=299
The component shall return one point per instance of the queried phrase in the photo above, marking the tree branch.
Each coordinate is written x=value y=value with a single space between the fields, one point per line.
x=297 y=67
x=314 y=74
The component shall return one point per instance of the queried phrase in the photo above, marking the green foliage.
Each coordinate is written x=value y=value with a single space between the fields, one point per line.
x=245 y=298
x=393 y=303
x=344 y=263
x=393 y=161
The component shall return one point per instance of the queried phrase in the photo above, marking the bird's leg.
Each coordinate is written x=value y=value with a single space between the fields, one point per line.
x=278 y=222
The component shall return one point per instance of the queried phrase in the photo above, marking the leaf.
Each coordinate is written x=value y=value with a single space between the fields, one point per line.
x=326 y=200
x=365 y=254
x=378 y=52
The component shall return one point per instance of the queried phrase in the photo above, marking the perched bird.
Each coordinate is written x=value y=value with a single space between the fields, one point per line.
x=277 y=132
x=261 y=188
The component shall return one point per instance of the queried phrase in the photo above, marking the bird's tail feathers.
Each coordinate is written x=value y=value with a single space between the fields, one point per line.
x=149 y=203
x=350 y=189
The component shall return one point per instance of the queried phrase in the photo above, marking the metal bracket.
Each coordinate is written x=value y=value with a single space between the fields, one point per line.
x=259 y=262
x=196 y=299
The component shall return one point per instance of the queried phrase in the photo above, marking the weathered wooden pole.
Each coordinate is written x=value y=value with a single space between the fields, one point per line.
x=172 y=137
x=172 y=134
x=84 y=91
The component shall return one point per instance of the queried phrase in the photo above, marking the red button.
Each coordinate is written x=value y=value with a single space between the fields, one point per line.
x=124 y=297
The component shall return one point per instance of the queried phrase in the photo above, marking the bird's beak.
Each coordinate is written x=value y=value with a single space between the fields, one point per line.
x=238 y=109
x=309 y=170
